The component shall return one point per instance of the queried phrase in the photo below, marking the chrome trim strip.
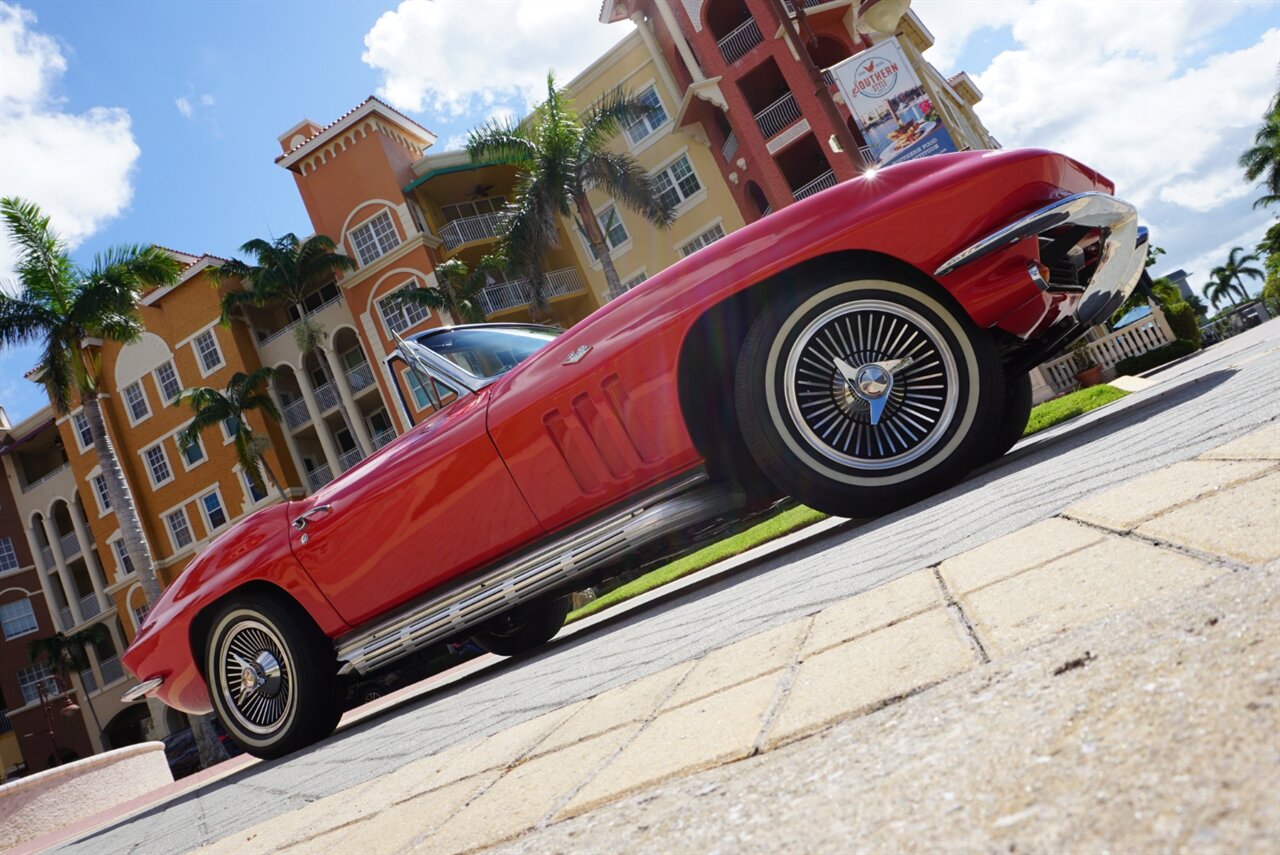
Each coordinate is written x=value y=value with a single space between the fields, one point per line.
x=141 y=690
x=529 y=575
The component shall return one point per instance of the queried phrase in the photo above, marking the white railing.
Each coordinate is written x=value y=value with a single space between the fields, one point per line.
x=805 y=4
x=319 y=476
x=740 y=41
x=296 y=414
x=382 y=438
x=90 y=684
x=47 y=554
x=822 y=182
x=70 y=545
x=65 y=618
x=89 y=607
x=347 y=459
x=263 y=339
x=509 y=295
x=326 y=397
x=730 y=147
x=778 y=116
x=868 y=156
x=468 y=229
x=360 y=377
x=43 y=478
x=111 y=670
x=1133 y=340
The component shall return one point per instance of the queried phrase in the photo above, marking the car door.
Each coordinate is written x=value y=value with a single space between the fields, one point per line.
x=431 y=505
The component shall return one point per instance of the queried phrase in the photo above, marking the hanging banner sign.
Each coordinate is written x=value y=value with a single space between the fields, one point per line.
x=897 y=117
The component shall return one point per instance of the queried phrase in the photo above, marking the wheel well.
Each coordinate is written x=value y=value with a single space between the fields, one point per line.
x=709 y=356
x=259 y=589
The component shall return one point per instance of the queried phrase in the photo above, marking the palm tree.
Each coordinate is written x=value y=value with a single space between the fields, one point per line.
x=1262 y=159
x=1221 y=287
x=286 y=271
x=459 y=290
x=66 y=655
x=1237 y=267
x=244 y=394
x=561 y=155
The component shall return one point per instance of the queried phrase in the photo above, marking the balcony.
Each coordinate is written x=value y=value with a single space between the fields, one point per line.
x=70 y=546
x=90 y=683
x=739 y=42
x=470 y=229
x=65 y=618
x=326 y=397
x=347 y=459
x=382 y=438
x=89 y=607
x=730 y=147
x=360 y=377
x=111 y=670
x=778 y=116
x=295 y=414
x=319 y=476
x=263 y=339
x=515 y=293
x=36 y=483
x=804 y=4
x=822 y=182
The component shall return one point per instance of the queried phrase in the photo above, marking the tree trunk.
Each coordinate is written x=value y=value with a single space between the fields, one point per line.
x=131 y=533
x=599 y=243
x=333 y=381
x=271 y=476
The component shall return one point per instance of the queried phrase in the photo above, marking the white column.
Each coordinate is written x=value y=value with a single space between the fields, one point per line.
x=348 y=402
x=43 y=573
x=659 y=61
x=64 y=573
x=96 y=578
x=317 y=419
x=677 y=36
x=289 y=441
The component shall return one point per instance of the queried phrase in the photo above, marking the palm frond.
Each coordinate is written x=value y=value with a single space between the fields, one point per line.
x=628 y=183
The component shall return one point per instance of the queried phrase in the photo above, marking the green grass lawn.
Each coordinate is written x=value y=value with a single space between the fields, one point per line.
x=1050 y=413
x=1046 y=415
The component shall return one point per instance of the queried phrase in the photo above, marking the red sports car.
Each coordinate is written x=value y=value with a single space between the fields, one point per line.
x=858 y=350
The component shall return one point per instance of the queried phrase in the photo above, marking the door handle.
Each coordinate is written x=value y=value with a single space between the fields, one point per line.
x=301 y=522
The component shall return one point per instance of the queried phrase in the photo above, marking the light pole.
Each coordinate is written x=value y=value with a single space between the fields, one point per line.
x=69 y=709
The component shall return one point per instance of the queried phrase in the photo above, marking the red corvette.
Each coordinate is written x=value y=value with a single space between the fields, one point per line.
x=859 y=350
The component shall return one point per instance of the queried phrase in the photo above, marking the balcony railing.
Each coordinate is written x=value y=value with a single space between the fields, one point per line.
x=295 y=414
x=90 y=683
x=70 y=546
x=382 y=438
x=1132 y=340
x=43 y=478
x=822 y=182
x=326 y=397
x=804 y=4
x=66 y=618
x=319 y=476
x=509 y=295
x=47 y=555
x=360 y=377
x=739 y=43
x=89 y=607
x=263 y=339
x=868 y=156
x=347 y=459
x=778 y=116
x=468 y=229
x=111 y=670
x=730 y=147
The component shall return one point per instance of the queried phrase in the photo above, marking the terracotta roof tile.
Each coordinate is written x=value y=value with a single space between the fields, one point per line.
x=357 y=107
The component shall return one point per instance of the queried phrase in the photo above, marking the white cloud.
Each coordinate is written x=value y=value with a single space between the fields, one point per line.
x=190 y=106
x=1208 y=192
x=77 y=167
x=953 y=24
x=455 y=56
x=184 y=106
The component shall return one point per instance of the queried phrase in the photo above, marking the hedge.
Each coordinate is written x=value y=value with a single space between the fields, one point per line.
x=1183 y=321
x=1152 y=358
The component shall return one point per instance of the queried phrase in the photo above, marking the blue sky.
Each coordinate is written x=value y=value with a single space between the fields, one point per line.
x=147 y=122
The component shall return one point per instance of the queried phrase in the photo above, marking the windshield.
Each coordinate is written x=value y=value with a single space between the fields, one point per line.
x=488 y=352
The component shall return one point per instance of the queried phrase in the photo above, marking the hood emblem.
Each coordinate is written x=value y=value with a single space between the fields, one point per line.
x=575 y=356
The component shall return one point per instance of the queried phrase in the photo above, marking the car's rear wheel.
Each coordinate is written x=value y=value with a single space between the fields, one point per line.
x=272 y=676
x=524 y=627
x=1014 y=418
x=860 y=396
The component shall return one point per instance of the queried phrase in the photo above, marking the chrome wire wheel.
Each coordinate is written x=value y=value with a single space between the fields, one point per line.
x=870 y=384
x=255 y=675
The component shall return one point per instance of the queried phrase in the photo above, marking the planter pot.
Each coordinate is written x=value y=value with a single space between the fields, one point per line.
x=1091 y=376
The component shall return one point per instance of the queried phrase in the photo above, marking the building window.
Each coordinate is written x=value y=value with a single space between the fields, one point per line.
x=179 y=529
x=100 y=490
x=31 y=675
x=193 y=453
x=140 y=614
x=207 y=351
x=645 y=126
x=399 y=315
x=709 y=236
x=83 y=435
x=122 y=557
x=375 y=238
x=316 y=300
x=256 y=493
x=634 y=281
x=614 y=231
x=8 y=558
x=421 y=399
x=136 y=399
x=157 y=465
x=214 y=514
x=17 y=618
x=167 y=381
x=677 y=182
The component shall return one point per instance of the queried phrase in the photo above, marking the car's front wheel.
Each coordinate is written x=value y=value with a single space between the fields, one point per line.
x=272 y=676
x=861 y=396
x=524 y=627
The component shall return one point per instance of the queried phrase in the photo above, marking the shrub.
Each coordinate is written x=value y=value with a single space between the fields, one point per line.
x=1152 y=358
x=1183 y=321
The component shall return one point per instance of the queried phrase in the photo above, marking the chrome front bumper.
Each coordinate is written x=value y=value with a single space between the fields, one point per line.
x=140 y=691
x=1118 y=269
